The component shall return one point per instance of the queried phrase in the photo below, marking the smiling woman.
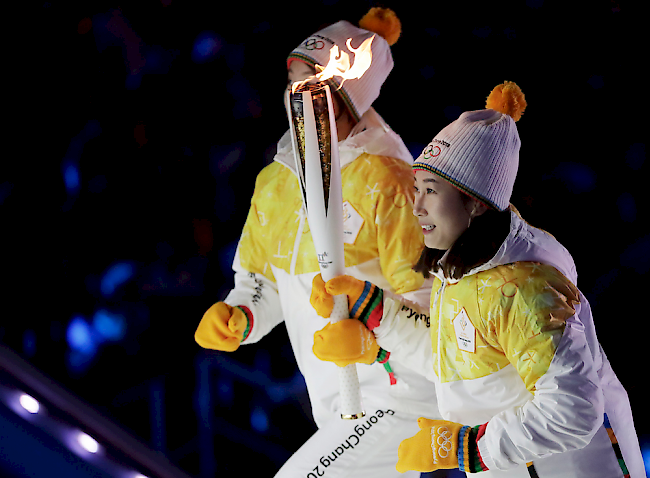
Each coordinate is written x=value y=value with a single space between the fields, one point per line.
x=445 y=214
x=442 y=210
x=475 y=245
x=521 y=379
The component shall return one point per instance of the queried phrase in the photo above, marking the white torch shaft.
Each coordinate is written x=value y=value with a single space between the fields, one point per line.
x=326 y=224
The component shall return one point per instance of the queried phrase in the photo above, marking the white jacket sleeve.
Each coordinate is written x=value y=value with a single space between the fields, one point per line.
x=564 y=413
x=404 y=332
x=260 y=295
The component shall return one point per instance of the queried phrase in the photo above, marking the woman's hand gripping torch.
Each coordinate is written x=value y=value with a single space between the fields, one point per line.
x=315 y=145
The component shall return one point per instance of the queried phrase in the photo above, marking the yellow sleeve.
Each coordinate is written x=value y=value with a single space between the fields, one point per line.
x=533 y=303
x=252 y=243
x=399 y=237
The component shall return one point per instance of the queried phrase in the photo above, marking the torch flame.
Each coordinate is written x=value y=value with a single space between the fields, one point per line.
x=339 y=64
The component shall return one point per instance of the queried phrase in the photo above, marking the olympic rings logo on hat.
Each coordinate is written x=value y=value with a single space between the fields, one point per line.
x=314 y=44
x=431 y=151
x=443 y=440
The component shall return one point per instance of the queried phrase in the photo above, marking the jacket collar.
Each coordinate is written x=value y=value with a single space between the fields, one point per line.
x=526 y=243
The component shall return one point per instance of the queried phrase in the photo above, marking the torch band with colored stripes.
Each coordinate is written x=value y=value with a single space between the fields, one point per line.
x=315 y=146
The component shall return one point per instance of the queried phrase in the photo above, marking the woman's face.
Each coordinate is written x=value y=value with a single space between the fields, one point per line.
x=441 y=210
x=299 y=71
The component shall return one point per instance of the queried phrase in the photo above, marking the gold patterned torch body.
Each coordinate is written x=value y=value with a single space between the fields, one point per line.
x=315 y=146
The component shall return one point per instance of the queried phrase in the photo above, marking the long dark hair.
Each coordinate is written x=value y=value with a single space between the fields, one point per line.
x=474 y=247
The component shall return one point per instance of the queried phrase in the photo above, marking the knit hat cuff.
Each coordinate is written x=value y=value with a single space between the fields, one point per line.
x=457 y=184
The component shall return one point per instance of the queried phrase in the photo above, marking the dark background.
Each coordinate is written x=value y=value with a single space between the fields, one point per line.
x=138 y=133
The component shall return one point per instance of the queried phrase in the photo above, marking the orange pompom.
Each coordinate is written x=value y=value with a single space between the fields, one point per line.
x=507 y=98
x=383 y=22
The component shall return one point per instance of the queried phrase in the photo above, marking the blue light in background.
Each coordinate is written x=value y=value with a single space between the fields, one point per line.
x=29 y=343
x=226 y=390
x=279 y=392
x=69 y=165
x=115 y=276
x=109 y=326
x=578 y=177
x=259 y=420
x=206 y=46
x=71 y=177
x=80 y=337
x=78 y=362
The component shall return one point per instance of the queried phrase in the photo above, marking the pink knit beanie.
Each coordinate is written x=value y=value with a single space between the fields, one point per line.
x=479 y=152
x=358 y=94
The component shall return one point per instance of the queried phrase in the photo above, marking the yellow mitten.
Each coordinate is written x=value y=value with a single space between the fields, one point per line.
x=415 y=453
x=344 y=342
x=365 y=300
x=347 y=285
x=222 y=327
x=321 y=300
x=441 y=444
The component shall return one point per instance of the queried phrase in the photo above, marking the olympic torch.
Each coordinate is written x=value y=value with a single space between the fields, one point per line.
x=315 y=145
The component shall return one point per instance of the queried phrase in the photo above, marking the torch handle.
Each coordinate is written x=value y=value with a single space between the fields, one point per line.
x=349 y=389
x=340 y=310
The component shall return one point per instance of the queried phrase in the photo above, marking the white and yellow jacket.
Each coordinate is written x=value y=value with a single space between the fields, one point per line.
x=513 y=344
x=275 y=261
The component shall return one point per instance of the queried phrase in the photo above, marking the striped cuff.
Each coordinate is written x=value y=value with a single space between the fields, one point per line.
x=369 y=307
x=383 y=355
x=616 y=447
x=469 y=457
x=249 y=325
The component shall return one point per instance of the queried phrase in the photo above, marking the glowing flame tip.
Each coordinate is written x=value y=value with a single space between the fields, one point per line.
x=339 y=64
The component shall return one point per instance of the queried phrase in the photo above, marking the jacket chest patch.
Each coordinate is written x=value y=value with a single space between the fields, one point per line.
x=465 y=332
x=352 y=222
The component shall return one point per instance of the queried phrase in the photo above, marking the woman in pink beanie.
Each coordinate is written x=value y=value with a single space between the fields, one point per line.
x=523 y=386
